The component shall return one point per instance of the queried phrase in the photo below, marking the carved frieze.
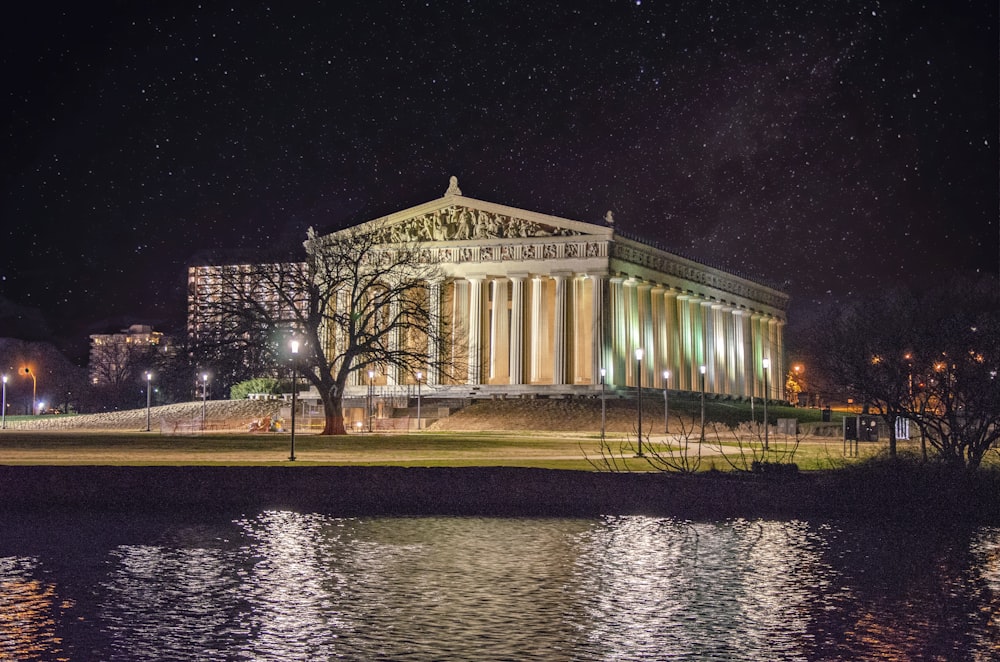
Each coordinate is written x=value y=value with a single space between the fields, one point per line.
x=506 y=252
x=665 y=264
x=456 y=223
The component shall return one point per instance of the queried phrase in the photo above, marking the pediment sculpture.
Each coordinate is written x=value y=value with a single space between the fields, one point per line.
x=457 y=223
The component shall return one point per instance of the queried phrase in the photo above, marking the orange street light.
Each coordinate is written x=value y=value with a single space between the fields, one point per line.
x=34 y=389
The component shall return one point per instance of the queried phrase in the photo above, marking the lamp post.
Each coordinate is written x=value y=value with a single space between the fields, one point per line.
x=4 y=402
x=638 y=376
x=603 y=410
x=766 y=363
x=420 y=379
x=371 y=414
x=294 y=345
x=34 y=390
x=149 y=400
x=204 y=397
x=666 y=402
x=702 y=370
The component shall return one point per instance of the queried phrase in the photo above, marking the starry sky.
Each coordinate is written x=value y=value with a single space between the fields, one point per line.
x=825 y=148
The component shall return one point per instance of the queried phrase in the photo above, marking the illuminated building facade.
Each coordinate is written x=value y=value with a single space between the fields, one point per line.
x=540 y=305
x=115 y=356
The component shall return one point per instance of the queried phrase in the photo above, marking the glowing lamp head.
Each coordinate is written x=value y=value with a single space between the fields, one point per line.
x=703 y=369
x=666 y=375
x=294 y=346
x=639 y=353
x=420 y=375
x=766 y=363
x=149 y=376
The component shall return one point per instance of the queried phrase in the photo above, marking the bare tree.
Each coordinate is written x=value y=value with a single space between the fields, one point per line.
x=356 y=303
x=867 y=348
x=933 y=359
x=956 y=395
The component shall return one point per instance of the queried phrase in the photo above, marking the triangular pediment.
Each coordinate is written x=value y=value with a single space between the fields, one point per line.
x=457 y=218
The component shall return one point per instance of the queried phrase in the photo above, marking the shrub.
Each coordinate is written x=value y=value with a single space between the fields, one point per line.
x=257 y=385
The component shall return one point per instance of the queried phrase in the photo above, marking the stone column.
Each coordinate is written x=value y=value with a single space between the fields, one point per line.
x=559 y=332
x=475 y=329
x=392 y=376
x=708 y=338
x=776 y=376
x=646 y=338
x=698 y=340
x=748 y=378
x=632 y=329
x=673 y=349
x=516 y=358
x=539 y=330
x=460 y=326
x=598 y=322
x=499 y=332
x=758 y=355
x=340 y=336
x=689 y=366
x=739 y=355
x=618 y=327
x=433 y=348
x=658 y=325
x=724 y=347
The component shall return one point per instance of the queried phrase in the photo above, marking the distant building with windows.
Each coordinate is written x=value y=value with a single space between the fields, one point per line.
x=115 y=356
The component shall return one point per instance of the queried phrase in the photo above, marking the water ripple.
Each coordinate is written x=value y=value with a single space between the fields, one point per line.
x=287 y=586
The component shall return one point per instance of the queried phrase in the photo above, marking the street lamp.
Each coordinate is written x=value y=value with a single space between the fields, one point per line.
x=702 y=369
x=149 y=383
x=420 y=379
x=204 y=397
x=767 y=365
x=371 y=414
x=666 y=402
x=34 y=390
x=603 y=410
x=638 y=376
x=4 y=402
x=295 y=392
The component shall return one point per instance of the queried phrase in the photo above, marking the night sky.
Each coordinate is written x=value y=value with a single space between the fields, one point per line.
x=825 y=148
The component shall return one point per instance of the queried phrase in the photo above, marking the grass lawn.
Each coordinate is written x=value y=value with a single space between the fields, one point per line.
x=529 y=449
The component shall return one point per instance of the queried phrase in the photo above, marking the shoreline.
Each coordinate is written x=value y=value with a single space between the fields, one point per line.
x=501 y=492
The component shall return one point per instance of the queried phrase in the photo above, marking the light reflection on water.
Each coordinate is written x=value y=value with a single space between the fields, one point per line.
x=27 y=613
x=732 y=591
x=291 y=586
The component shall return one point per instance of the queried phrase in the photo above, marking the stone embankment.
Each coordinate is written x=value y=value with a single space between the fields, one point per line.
x=557 y=415
x=176 y=418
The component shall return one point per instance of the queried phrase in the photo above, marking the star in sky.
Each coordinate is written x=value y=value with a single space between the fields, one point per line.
x=824 y=148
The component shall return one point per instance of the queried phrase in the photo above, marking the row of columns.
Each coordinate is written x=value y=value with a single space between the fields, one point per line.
x=681 y=331
x=524 y=329
x=565 y=328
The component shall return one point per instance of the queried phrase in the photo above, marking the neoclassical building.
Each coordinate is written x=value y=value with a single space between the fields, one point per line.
x=546 y=305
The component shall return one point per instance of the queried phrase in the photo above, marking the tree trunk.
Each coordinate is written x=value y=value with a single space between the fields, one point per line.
x=333 y=412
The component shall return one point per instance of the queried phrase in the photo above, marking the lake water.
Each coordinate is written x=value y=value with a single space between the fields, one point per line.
x=293 y=586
